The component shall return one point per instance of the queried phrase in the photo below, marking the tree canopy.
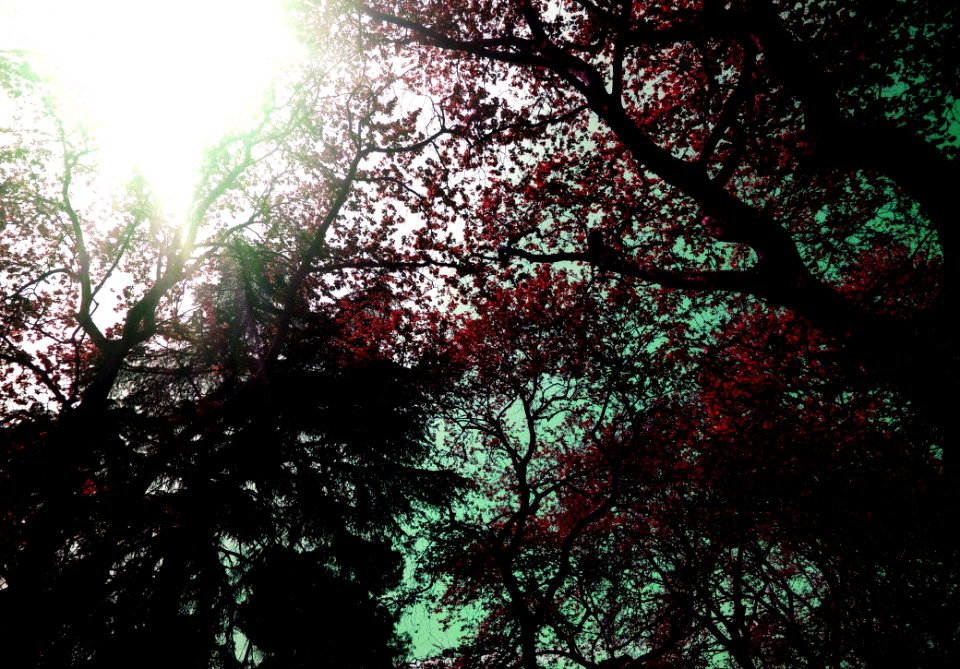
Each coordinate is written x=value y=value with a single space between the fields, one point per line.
x=628 y=324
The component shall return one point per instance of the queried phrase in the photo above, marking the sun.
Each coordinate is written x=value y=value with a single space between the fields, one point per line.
x=157 y=81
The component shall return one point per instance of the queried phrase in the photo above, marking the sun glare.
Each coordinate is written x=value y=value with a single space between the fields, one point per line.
x=157 y=81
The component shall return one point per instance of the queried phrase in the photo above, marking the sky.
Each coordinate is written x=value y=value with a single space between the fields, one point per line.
x=154 y=81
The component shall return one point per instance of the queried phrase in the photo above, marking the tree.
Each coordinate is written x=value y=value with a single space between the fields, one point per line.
x=769 y=512
x=742 y=153
x=216 y=473
x=278 y=521
x=541 y=430
x=751 y=148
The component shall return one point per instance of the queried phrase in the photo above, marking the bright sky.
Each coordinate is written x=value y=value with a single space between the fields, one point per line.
x=157 y=80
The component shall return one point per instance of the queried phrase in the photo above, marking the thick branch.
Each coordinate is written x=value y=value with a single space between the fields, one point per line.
x=739 y=281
